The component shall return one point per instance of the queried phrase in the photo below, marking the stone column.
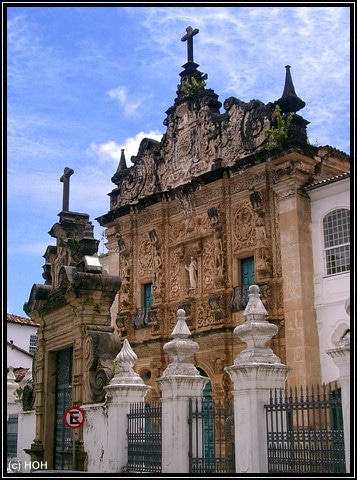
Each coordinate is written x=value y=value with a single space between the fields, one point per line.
x=179 y=382
x=301 y=334
x=341 y=357
x=106 y=425
x=256 y=370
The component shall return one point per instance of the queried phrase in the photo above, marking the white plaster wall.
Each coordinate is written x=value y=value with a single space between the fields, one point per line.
x=20 y=334
x=26 y=435
x=331 y=292
x=95 y=437
x=17 y=359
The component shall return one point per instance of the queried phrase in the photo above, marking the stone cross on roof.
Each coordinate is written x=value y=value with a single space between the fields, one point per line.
x=189 y=37
x=65 y=179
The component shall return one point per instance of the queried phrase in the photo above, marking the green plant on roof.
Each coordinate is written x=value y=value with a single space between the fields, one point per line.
x=279 y=134
x=74 y=245
x=193 y=84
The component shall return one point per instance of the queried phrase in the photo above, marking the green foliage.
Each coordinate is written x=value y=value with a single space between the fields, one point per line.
x=74 y=245
x=194 y=85
x=279 y=134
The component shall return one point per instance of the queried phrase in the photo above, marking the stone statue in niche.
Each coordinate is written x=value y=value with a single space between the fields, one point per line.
x=188 y=212
x=216 y=225
x=63 y=256
x=192 y=272
x=125 y=285
x=157 y=263
x=218 y=255
x=263 y=261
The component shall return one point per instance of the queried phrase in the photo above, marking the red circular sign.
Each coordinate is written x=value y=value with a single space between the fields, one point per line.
x=74 y=417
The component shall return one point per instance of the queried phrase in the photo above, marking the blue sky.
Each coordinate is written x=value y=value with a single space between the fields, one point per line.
x=84 y=81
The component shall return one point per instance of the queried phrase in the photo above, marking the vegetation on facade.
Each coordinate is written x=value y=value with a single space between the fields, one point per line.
x=278 y=135
x=193 y=85
x=73 y=245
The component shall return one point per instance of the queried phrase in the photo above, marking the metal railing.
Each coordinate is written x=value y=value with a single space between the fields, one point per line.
x=144 y=438
x=211 y=437
x=305 y=431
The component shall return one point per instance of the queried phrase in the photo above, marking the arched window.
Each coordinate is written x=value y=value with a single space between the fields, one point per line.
x=336 y=228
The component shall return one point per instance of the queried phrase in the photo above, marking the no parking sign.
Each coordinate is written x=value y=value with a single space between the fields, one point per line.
x=74 y=417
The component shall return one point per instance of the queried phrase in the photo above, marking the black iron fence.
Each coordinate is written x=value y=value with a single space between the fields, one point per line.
x=305 y=430
x=211 y=437
x=144 y=438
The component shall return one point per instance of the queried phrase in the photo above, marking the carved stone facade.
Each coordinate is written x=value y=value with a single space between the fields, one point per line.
x=184 y=218
x=193 y=206
x=73 y=311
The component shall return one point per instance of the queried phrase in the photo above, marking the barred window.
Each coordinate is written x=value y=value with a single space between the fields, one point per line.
x=12 y=424
x=336 y=228
x=33 y=343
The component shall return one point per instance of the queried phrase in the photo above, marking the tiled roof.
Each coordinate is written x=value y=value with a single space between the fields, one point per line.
x=326 y=181
x=20 y=373
x=21 y=320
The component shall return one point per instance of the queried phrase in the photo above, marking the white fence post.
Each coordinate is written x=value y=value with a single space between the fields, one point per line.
x=106 y=425
x=255 y=371
x=179 y=382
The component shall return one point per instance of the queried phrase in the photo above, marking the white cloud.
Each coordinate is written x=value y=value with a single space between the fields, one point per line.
x=120 y=94
x=111 y=150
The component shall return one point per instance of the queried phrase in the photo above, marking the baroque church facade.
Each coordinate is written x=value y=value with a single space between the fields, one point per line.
x=216 y=206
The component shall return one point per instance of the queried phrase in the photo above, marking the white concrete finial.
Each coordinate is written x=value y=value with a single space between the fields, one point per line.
x=181 y=329
x=10 y=375
x=126 y=356
x=255 y=309
x=124 y=363
x=11 y=386
x=181 y=348
x=256 y=332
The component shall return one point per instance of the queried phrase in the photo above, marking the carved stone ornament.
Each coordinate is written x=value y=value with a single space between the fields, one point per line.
x=181 y=349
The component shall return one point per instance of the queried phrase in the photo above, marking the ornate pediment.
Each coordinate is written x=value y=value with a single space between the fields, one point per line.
x=197 y=139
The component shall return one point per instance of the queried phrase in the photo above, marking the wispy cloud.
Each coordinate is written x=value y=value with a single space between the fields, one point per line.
x=120 y=94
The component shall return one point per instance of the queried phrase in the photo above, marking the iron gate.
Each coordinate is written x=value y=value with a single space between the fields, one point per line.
x=305 y=431
x=211 y=437
x=144 y=438
x=63 y=436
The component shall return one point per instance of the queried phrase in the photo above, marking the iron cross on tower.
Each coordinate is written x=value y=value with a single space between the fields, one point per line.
x=189 y=37
x=65 y=179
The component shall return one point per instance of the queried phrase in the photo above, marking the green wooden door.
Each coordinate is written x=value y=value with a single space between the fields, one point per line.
x=147 y=302
x=147 y=296
x=247 y=277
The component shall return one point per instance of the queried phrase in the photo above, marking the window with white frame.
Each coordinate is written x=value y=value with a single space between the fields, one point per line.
x=33 y=343
x=336 y=229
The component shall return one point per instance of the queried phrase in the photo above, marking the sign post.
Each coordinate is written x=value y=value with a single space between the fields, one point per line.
x=74 y=418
